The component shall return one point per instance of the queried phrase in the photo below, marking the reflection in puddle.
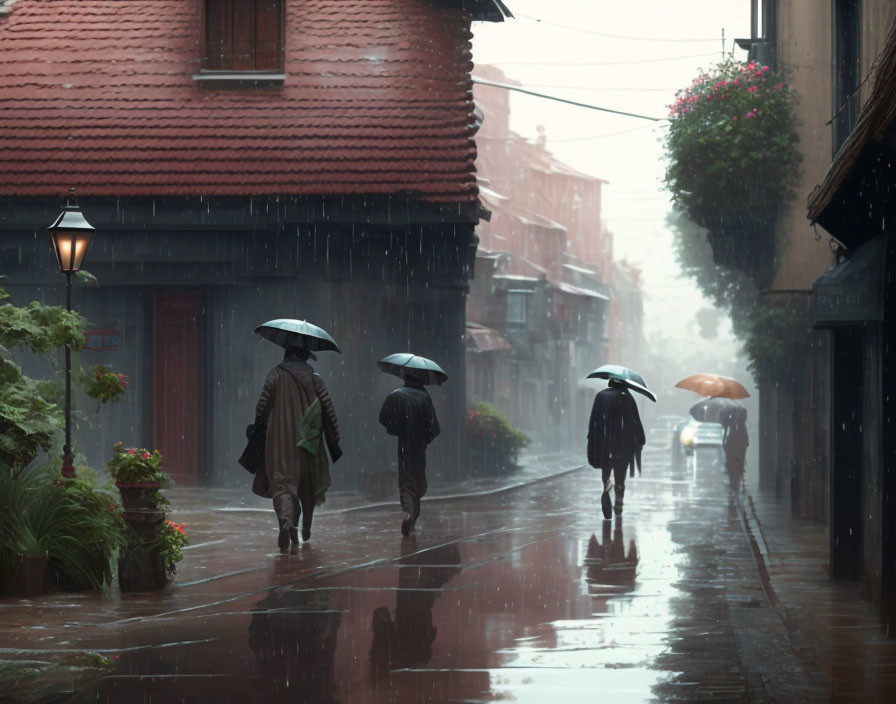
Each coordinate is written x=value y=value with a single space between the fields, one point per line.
x=293 y=636
x=407 y=640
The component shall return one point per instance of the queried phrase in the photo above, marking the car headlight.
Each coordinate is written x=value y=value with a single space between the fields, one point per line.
x=687 y=435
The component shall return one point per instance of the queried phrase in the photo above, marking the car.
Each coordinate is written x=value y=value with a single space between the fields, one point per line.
x=695 y=434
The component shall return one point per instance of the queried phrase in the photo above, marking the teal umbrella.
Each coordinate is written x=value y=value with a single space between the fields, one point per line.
x=627 y=376
x=297 y=333
x=401 y=363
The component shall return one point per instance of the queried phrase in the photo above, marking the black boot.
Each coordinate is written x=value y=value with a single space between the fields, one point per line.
x=283 y=536
x=620 y=494
x=605 y=503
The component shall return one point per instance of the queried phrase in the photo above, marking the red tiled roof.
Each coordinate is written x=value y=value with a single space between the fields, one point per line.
x=99 y=94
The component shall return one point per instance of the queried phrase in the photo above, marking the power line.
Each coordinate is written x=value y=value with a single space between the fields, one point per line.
x=617 y=36
x=602 y=63
x=566 y=139
x=518 y=89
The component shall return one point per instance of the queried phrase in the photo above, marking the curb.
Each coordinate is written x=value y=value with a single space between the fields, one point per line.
x=469 y=494
x=427 y=499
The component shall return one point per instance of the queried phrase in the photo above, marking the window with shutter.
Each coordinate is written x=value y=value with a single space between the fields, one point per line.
x=243 y=35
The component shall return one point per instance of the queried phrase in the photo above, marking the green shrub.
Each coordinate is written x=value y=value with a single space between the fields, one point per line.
x=76 y=525
x=494 y=444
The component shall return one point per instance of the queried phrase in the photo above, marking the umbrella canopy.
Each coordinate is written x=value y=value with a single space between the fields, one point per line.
x=713 y=410
x=713 y=385
x=287 y=332
x=425 y=369
x=627 y=376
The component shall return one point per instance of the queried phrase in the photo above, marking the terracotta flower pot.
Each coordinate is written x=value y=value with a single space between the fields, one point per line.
x=29 y=580
x=138 y=496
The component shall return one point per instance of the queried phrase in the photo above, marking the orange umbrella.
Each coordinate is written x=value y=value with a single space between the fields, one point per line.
x=713 y=385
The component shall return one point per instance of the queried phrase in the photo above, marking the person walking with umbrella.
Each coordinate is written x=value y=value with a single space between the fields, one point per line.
x=296 y=410
x=720 y=407
x=408 y=413
x=615 y=433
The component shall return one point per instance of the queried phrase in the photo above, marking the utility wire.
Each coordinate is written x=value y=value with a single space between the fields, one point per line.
x=507 y=86
x=603 y=63
x=565 y=139
x=617 y=36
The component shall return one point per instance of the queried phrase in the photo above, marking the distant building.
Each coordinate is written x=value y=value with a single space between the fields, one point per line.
x=545 y=277
x=319 y=165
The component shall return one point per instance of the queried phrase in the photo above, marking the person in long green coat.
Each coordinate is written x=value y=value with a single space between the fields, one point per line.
x=298 y=413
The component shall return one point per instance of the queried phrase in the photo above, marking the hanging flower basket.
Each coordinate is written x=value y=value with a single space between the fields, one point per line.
x=732 y=159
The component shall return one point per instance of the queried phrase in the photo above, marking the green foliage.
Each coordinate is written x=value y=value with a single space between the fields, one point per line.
x=732 y=158
x=39 y=327
x=102 y=383
x=131 y=465
x=729 y=289
x=30 y=410
x=29 y=418
x=493 y=442
x=76 y=525
x=170 y=541
x=776 y=337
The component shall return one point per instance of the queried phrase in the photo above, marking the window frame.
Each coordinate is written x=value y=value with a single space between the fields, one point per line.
x=272 y=77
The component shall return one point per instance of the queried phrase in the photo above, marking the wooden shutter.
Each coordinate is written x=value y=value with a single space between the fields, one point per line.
x=218 y=35
x=244 y=35
x=268 y=37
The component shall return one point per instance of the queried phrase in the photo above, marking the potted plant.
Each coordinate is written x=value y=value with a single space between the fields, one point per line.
x=63 y=532
x=139 y=477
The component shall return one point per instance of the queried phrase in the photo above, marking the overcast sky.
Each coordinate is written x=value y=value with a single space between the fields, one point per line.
x=655 y=48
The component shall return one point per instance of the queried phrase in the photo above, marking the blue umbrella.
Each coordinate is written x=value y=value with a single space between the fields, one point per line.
x=627 y=376
x=287 y=332
x=401 y=363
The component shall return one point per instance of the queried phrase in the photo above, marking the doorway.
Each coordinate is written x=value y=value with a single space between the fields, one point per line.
x=176 y=342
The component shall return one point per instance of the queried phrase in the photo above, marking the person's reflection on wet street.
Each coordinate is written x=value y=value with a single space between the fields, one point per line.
x=407 y=640
x=293 y=635
x=607 y=566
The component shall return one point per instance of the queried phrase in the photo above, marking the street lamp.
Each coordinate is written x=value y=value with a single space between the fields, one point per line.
x=71 y=234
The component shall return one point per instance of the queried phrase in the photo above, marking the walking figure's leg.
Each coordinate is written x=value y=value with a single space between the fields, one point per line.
x=619 y=488
x=606 y=504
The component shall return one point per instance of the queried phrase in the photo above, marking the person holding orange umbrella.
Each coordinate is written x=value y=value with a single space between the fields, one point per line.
x=722 y=408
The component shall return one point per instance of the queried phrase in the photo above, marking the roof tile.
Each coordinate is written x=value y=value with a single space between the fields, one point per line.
x=377 y=99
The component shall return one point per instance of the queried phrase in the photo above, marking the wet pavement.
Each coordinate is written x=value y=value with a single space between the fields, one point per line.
x=525 y=595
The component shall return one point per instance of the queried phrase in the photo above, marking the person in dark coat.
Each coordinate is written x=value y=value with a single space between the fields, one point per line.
x=735 y=441
x=409 y=414
x=297 y=411
x=615 y=439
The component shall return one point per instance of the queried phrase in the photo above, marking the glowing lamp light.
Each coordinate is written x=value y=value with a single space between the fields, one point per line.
x=71 y=235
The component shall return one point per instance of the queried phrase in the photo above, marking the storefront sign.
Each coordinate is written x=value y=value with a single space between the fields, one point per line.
x=104 y=339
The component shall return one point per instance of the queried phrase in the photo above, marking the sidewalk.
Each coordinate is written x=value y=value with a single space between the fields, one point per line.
x=534 y=467
x=827 y=622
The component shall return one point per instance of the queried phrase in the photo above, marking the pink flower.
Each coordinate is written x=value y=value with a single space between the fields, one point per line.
x=737 y=81
x=146 y=455
x=752 y=89
x=779 y=86
x=132 y=451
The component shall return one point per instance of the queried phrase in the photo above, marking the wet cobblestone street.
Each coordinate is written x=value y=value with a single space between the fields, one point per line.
x=524 y=595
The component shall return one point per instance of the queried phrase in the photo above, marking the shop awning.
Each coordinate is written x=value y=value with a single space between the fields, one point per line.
x=482 y=339
x=853 y=290
x=579 y=291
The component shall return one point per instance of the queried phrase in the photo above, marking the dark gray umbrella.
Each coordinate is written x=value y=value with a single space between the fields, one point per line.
x=713 y=410
x=287 y=332
x=627 y=376
x=401 y=363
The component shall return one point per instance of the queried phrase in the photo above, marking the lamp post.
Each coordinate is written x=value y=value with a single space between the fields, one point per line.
x=71 y=235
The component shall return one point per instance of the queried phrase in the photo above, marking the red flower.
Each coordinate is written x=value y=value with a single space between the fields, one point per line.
x=146 y=455
x=132 y=451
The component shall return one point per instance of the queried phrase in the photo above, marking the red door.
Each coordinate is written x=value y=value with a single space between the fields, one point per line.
x=176 y=382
